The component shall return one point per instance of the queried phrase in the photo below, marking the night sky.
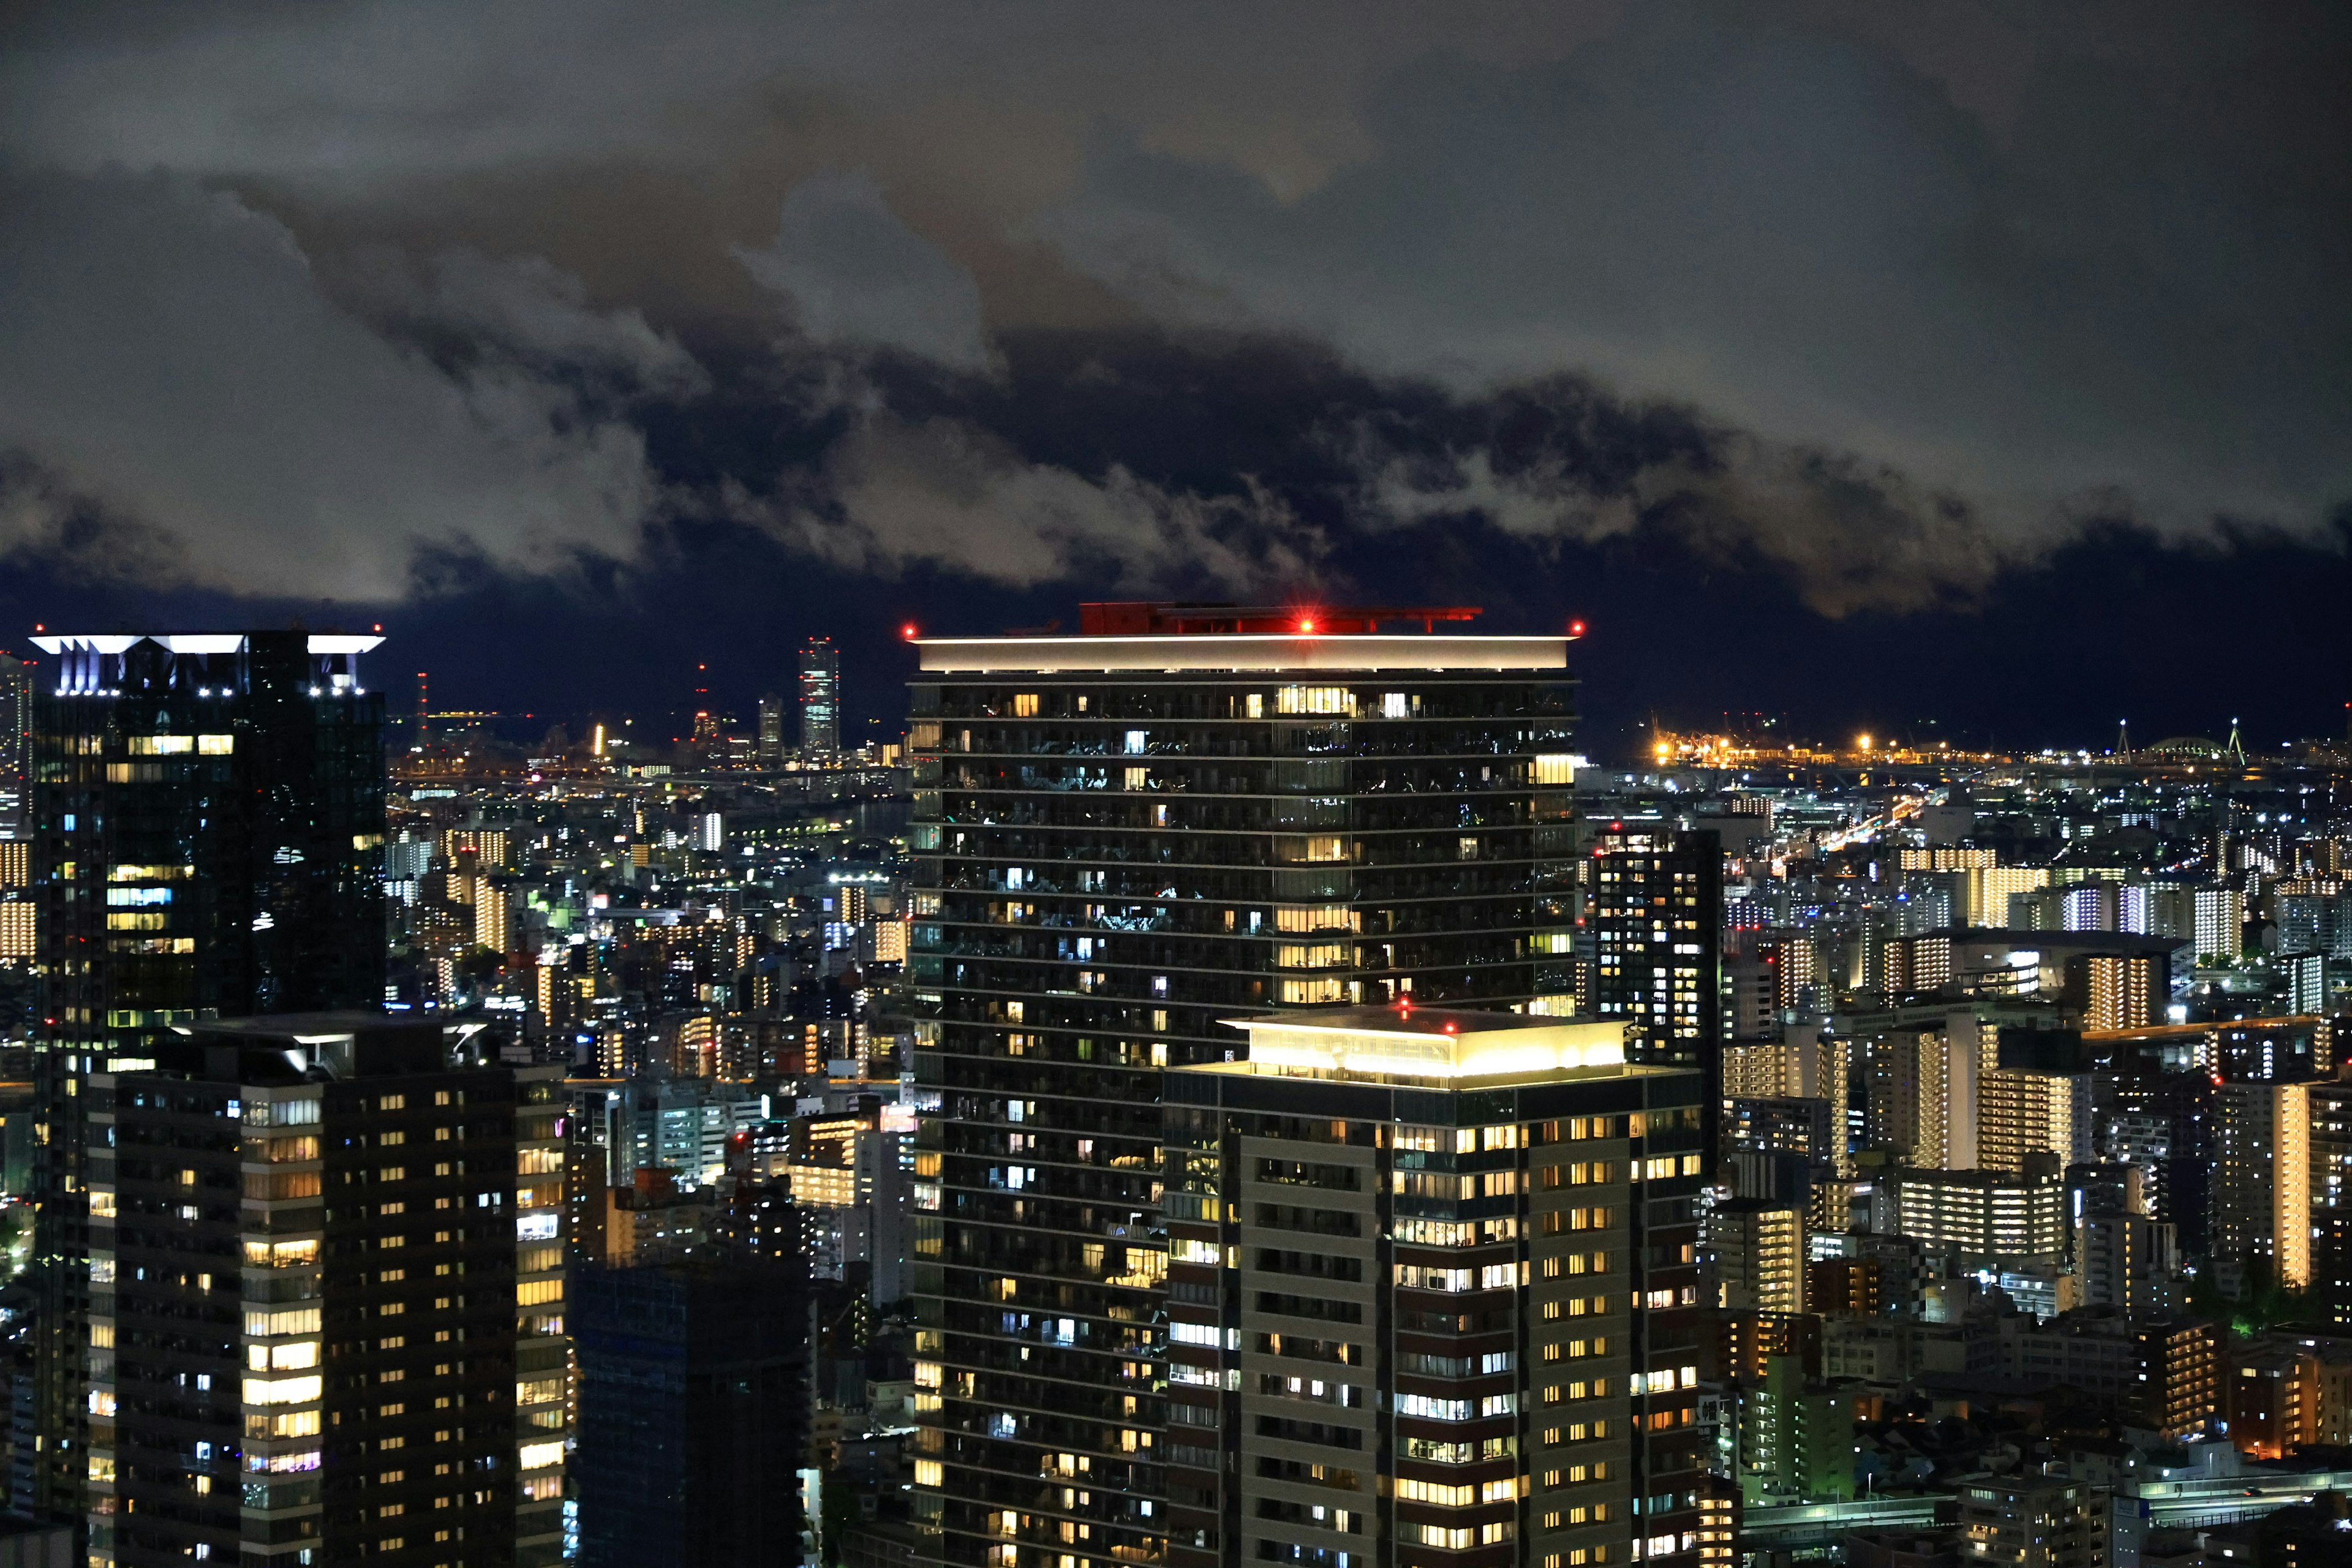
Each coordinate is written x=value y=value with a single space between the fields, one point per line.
x=1980 y=372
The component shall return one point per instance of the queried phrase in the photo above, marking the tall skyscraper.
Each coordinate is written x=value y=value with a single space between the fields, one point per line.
x=1433 y=1284
x=302 y=1317
x=1655 y=904
x=1125 y=837
x=207 y=831
x=820 y=698
x=772 y=730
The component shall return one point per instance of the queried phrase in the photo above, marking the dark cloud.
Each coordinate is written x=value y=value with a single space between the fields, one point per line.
x=1876 y=308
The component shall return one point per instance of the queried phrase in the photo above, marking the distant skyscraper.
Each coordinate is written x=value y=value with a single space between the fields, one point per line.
x=820 y=698
x=207 y=822
x=15 y=720
x=279 y=1384
x=1453 y=1307
x=772 y=730
x=1124 y=838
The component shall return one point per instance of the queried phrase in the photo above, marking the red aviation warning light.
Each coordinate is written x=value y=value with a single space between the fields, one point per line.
x=907 y=631
x=1576 y=629
x=1306 y=623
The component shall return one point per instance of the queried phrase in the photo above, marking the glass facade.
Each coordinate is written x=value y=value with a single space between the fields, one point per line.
x=207 y=833
x=1112 y=861
x=820 y=697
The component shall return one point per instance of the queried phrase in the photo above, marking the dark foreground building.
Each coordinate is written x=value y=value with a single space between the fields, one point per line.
x=303 y=1303
x=693 y=1414
x=206 y=824
x=1124 y=838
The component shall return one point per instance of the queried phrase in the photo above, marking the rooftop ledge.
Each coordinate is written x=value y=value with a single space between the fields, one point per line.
x=1430 y=1045
x=1240 y=651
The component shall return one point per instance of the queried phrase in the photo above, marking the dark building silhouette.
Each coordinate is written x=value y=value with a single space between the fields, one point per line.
x=693 y=1413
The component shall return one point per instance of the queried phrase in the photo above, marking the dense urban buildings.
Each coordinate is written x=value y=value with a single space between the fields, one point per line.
x=1056 y=1151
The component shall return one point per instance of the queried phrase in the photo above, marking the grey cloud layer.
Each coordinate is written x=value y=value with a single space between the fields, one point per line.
x=1934 y=286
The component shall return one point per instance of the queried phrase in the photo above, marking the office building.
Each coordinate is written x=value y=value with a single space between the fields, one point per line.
x=676 y=1124
x=1654 y=905
x=820 y=700
x=1123 y=838
x=304 y=1310
x=207 y=831
x=693 y=1414
x=772 y=730
x=2261 y=1187
x=1433 y=1288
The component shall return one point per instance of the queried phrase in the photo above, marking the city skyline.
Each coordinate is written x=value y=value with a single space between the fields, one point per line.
x=1939 y=359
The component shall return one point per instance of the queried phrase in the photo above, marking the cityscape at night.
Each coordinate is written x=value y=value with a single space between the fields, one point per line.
x=1056 y=785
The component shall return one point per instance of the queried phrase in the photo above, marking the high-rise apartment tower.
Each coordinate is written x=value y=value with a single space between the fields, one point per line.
x=1125 y=837
x=303 y=1327
x=207 y=833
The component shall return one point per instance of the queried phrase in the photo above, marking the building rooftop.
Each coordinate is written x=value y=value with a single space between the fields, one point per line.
x=191 y=642
x=1433 y=1044
x=1172 y=652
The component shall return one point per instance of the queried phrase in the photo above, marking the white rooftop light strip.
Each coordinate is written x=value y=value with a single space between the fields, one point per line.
x=1434 y=1054
x=1240 y=651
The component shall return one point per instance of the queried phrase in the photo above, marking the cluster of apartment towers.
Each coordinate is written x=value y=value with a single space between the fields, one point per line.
x=1277 y=1204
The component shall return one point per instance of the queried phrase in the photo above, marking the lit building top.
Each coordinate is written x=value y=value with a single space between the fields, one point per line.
x=1174 y=637
x=1423 y=1045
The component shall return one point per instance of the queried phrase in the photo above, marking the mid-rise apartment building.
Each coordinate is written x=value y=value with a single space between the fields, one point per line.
x=304 y=1310
x=1434 y=1296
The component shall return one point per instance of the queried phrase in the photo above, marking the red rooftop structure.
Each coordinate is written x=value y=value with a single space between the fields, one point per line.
x=1142 y=618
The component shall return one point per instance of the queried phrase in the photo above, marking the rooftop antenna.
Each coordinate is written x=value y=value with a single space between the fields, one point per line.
x=424 y=725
